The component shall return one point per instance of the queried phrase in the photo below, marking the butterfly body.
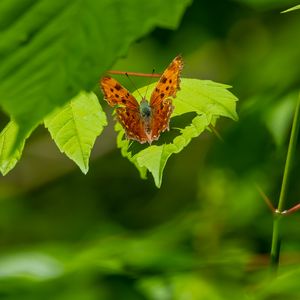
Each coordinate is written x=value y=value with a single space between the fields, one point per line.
x=145 y=109
x=145 y=121
x=146 y=118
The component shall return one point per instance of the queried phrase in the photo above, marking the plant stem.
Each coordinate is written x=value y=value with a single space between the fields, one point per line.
x=289 y=158
x=133 y=73
x=276 y=241
x=276 y=236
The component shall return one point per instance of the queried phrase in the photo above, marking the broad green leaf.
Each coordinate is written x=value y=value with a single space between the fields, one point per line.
x=10 y=152
x=198 y=104
x=50 y=50
x=75 y=126
x=292 y=8
x=205 y=97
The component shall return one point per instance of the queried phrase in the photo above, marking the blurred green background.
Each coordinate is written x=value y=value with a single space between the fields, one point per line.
x=206 y=233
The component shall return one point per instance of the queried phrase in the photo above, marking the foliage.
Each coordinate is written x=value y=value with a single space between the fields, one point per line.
x=206 y=232
x=44 y=86
x=75 y=126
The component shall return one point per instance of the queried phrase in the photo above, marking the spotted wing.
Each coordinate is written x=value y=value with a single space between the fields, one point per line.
x=116 y=94
x=161 y=118
x=133 y=124
x=168 y=83
x=160 y=101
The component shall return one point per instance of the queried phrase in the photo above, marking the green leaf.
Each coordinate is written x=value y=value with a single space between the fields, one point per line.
x=205 y=97
x=50 y=50
x=10 y=148
x=75 y=126
x=291 y=9
x=198 y=104
x=31 y=265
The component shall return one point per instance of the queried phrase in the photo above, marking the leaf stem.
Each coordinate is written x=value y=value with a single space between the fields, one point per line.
x=276 y=236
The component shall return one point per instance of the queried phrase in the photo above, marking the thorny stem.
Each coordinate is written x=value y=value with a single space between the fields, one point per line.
x=276 y=236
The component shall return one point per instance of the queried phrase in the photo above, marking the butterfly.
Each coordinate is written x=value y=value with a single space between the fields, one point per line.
x=145 y=121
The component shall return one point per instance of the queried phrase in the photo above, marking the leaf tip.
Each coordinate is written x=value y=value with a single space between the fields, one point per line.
x=3 y=172
x=84 y=168
x=158 y=183
x=290 y=9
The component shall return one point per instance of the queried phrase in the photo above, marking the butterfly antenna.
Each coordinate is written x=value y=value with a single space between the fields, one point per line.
x=133 y=84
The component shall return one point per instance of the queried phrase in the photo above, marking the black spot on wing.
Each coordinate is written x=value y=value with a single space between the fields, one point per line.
x=163 y=79
x=118 y=87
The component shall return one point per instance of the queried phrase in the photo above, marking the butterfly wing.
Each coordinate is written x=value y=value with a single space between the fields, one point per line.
x=168 y=83
x=116 y=94
x=127 y=112
x=161 y=118
x=160 y=101
x=133 y=124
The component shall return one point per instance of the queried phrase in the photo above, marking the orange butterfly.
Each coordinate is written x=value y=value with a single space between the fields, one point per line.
x=145 y=122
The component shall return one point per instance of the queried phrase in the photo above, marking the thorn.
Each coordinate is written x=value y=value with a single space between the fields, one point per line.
x=292 y=210
x=266 y=199
x=216 y=132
